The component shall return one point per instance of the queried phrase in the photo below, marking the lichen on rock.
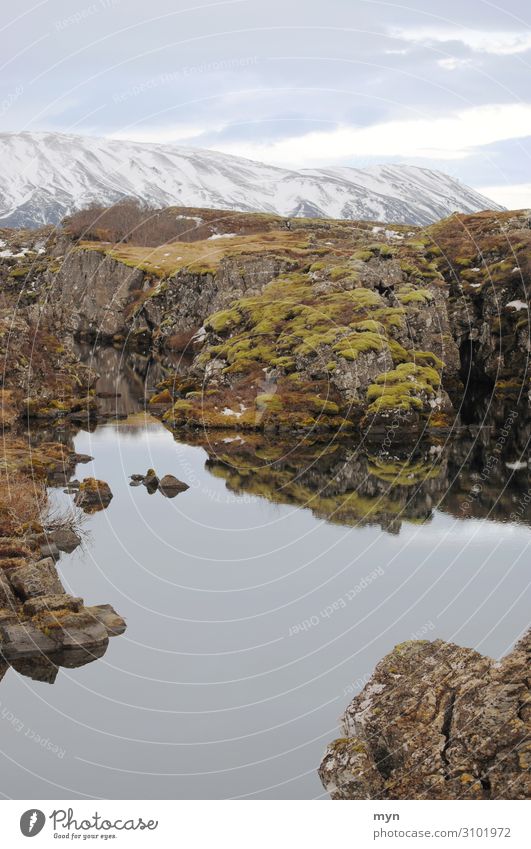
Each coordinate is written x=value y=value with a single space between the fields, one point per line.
x=436 y=721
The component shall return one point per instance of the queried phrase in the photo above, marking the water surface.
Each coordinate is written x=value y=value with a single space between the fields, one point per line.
x=257 y=604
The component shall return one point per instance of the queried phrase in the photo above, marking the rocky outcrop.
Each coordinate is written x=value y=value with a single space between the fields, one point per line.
x=323 y=325
x=370 y=333
x=436 y=721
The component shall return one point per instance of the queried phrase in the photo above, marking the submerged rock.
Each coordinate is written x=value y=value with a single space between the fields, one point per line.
x=436 y=721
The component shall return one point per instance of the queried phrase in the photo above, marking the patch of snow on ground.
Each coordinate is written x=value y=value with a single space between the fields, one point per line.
x=195 y=218
x=222 y=236
x=518 y=305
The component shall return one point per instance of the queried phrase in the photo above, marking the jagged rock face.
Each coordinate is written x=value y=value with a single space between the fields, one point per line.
x=348 y=331
x=90 y=292
x=436 y=721
x=485 y=260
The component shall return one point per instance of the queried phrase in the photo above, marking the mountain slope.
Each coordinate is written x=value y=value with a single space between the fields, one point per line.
x=44 y=176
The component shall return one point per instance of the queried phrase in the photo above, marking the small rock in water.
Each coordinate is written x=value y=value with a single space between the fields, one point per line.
x=170 y=486
x=93 y=495
x=151 y=481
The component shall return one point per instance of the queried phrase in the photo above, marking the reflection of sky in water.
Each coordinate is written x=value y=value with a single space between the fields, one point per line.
x=206 y=695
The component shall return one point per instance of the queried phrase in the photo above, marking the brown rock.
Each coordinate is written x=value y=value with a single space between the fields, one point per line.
x=104 y=613
x=171 y=486
x=436 y=721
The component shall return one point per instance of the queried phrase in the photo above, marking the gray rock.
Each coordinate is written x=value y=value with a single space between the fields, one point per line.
x=66 y=539
x=436 y=721
x=36 y=579
x=50 y=549
x=24 y=640
x=7 y=597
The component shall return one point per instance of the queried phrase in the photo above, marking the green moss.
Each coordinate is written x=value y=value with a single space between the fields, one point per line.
x=398 y=352
x=368 y=324
x=223 y=321
x=417 y=296
x=364 y=256
x=399 y=389
x=381 y=249
x=427 y=358
x=351 y=346
x=390 y=316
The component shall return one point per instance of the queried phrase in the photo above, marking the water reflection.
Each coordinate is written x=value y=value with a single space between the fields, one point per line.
x=357 y=485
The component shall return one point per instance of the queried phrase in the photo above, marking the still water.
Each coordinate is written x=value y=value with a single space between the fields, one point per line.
x=257 y=604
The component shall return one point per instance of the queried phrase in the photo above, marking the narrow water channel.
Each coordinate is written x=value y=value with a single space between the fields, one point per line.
x=257 y=604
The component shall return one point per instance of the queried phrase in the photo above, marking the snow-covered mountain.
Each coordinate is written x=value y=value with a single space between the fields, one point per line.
x=44 y=176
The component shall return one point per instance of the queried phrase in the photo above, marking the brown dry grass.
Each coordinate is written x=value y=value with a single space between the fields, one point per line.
x=167 y=260
x=22 y=501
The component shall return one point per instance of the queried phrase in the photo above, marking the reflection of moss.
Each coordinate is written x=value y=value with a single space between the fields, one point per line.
x=403 y=472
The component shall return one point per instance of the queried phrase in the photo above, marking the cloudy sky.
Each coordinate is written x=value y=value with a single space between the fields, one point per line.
x=440 y=83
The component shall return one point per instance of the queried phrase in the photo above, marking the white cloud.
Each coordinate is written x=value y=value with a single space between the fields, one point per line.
x=516 y=196
x=163 y=134
x=452 y=63
x=481 y=41
x=455 y=136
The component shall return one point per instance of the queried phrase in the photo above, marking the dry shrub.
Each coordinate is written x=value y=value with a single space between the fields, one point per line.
x=130 y=221
x=22 y=501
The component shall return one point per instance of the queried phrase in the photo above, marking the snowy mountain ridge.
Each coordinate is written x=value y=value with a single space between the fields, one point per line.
x=44 y=176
